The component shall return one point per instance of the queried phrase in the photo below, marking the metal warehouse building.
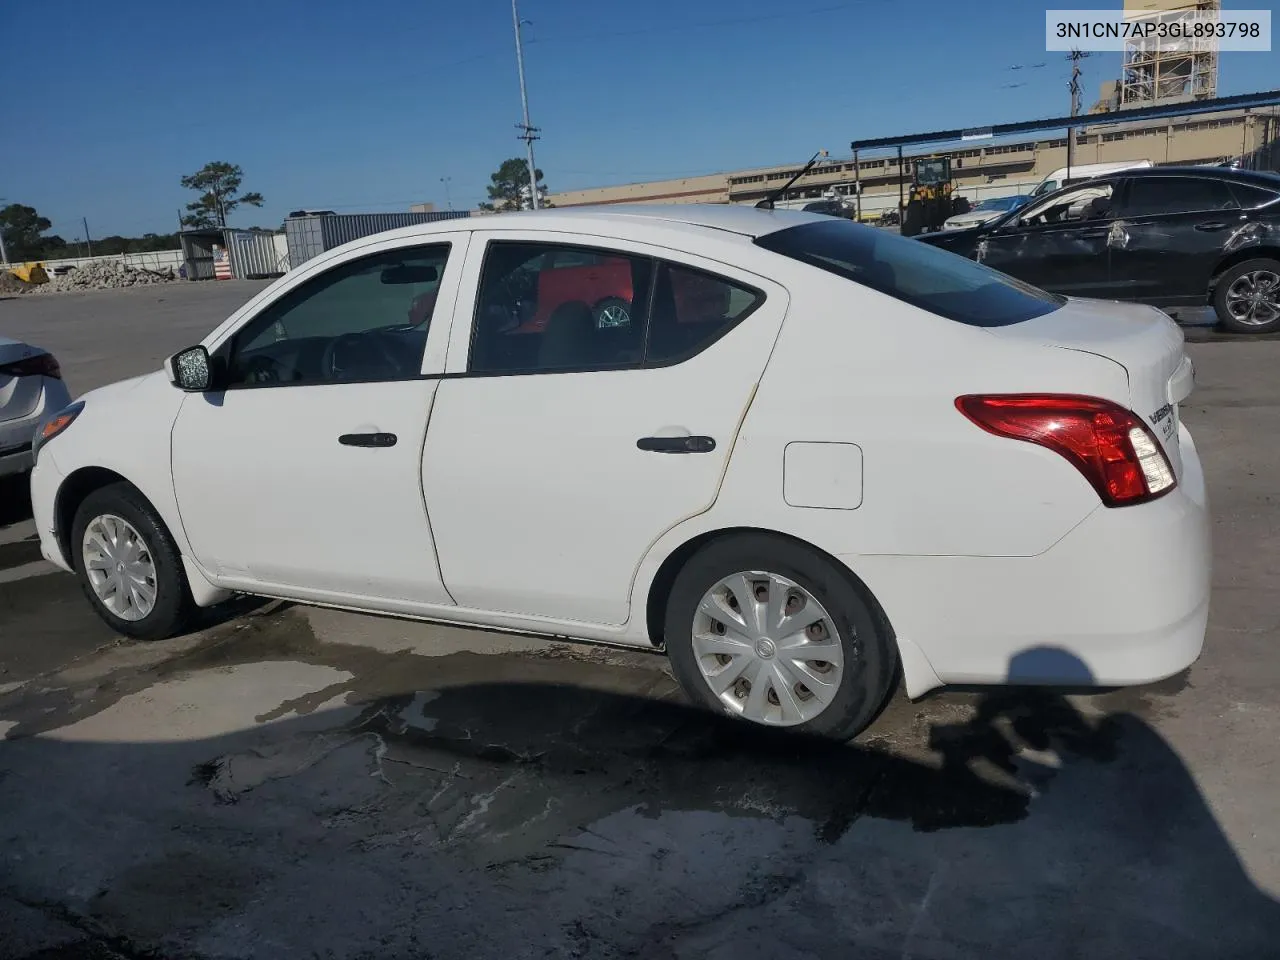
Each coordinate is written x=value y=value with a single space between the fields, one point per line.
x=996 y=168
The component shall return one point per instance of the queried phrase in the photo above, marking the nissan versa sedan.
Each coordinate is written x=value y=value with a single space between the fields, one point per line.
x=808 y=458
x=1167 y=236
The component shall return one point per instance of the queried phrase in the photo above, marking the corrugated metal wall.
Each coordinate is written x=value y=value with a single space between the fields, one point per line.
x=253 y=255
x=311 y=236
x=305 y=239
x=197 y=253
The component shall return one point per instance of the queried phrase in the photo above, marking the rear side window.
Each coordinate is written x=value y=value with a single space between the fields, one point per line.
x=924 y=276
x=1149 y=196
x=1251 y=196
x=545 y=307
x=691 y=309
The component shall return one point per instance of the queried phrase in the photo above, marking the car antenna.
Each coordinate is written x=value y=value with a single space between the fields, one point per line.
x=767 y=202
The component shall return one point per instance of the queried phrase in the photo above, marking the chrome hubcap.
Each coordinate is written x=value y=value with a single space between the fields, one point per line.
x=1254 y=298
x=120 y=567
x=767 y=648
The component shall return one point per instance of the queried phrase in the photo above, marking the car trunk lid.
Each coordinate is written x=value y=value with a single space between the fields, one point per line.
x=1141 y=339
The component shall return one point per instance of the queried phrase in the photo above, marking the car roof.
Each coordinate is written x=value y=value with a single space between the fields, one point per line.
x=746 y=221
x=1225 y=173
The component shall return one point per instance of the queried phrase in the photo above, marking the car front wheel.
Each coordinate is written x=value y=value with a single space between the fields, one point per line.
x=128 y=564
x=769 y=631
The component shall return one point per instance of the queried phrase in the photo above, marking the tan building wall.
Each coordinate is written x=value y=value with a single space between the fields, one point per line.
x=712 y=188
x=979 y=171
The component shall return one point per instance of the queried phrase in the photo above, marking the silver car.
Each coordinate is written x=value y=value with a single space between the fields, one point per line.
x=31 y=392
x=986 y=211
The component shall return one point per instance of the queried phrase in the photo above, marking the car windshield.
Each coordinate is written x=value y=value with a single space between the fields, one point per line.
x=997 y=203
x=922 y=275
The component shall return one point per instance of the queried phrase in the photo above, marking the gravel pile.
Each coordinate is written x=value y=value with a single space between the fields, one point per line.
x=11 y=284
x=104 y=275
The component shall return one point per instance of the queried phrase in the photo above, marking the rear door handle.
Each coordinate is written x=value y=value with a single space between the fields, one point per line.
x=1095 y=232
x=676 y=444
x=368 y=439
x=1210 y=227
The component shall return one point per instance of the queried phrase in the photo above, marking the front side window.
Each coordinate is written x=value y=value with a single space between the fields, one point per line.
x=917 y=273
x=1089 y=201
x=365 y=319
x=1156 y=195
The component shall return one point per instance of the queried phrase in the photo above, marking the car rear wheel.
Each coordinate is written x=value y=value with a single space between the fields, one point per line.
x=1247 y=297
x=128 y=564
x=612 y=312
x=769 y=631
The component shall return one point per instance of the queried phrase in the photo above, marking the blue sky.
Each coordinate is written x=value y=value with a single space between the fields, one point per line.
x=367 y=106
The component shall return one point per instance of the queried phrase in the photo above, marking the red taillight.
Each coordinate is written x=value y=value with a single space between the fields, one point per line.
x=41 y=365
x=1107 y=443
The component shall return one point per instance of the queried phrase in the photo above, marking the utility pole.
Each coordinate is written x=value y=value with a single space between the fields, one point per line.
x=87 y=242
x=528 y=133
x=1075 y=57
x=4 y=254
x=448 y=200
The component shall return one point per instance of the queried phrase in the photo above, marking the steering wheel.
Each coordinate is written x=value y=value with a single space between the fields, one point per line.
x=332 y=367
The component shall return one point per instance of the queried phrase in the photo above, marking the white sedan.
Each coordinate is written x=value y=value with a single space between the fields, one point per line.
x=802 y=456
x=31 y=391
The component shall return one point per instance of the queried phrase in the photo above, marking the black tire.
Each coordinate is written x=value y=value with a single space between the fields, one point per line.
x=597 y=312
x=913 y=220
x=870 y=655
x=173 y=608
x=1223 y=286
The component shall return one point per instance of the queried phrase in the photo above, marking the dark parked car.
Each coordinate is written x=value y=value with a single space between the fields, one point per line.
x=1168 y=236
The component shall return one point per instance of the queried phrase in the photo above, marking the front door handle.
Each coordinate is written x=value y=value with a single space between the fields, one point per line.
x=368 y=439
x=1210 y=227
x=676 y=444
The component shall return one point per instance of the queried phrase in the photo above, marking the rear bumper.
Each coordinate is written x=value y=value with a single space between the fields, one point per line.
x=1122 y=599
x=17 y=435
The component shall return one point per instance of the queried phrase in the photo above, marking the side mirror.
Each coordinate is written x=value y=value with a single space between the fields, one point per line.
x=190 y=369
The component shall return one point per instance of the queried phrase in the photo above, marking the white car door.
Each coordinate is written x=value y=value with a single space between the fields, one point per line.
x=301 y=477
x=591 y=406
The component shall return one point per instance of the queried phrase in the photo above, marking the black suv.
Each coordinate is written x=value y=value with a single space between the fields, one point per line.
x=1168 y=236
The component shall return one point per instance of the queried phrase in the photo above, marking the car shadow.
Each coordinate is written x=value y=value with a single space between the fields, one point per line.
x=15 y=500
x=463 y=816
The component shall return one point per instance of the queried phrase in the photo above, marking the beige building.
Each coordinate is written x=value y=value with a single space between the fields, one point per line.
x=997 y=169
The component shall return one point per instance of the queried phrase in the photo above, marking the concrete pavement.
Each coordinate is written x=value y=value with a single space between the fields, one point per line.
x=291 y=782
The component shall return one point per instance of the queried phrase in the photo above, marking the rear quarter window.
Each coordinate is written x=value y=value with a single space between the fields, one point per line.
x=922 y=275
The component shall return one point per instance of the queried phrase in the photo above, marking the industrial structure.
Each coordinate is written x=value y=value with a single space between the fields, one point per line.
x=998 y=166
x=1163 y=70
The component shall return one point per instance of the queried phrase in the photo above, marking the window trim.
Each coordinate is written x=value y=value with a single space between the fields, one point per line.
x=657 y=263
x=221 y=356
